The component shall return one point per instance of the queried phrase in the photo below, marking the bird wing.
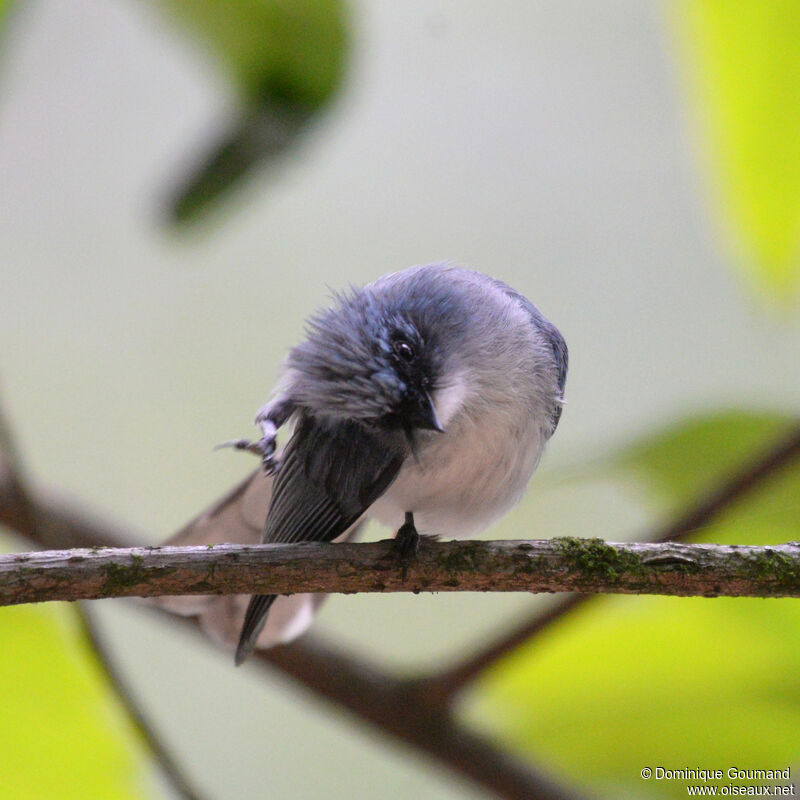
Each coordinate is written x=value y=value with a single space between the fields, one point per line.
x=329 y=476
x=239 y=517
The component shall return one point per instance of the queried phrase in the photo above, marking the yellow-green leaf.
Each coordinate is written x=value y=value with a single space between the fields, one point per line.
x=62 y=735
x=741 y=62
x=5 y=8
x=284 y=59
x=634 y=682
x=692 y=457
x=272 y=49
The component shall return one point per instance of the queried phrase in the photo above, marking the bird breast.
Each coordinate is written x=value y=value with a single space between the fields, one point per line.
x=466 y=478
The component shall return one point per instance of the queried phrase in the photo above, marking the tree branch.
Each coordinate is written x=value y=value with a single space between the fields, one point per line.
x=733 y=488
x=368 y=693
x=396 y=708
x=13 y=491
x=552 y=565
x=405 y=709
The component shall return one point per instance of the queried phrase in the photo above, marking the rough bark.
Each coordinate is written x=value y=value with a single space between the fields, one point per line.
x=395 y=707
x=555 y=565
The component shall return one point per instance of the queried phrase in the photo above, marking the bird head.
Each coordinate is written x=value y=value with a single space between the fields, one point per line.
x=366 y=359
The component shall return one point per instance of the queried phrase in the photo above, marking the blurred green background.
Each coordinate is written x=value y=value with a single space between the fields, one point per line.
x=631 y=167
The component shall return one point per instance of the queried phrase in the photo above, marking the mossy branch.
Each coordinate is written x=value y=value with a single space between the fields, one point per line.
x=751 y=476
x=395 y=706
x=555 y=565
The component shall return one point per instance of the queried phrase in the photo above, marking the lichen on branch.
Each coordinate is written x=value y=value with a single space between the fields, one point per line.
x=555 y=565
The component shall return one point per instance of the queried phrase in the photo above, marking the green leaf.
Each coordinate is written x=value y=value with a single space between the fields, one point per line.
x=741 y=62
x=631 y=682
x=692 y=457
x=272 y=50
x=652 y=681
x=61 y=733
x=5 y=15
x=285 y=60
x=255 y=139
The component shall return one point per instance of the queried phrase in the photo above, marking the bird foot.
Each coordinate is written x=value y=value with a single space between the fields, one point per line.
x=406 y=543
x=264 y=448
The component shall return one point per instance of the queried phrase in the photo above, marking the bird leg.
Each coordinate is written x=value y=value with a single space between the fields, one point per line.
x=263 y=448
x=269 y=418
x=406 y=543
x=407 y=539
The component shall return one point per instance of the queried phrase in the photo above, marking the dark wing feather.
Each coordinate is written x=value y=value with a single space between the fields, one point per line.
x=329 y=476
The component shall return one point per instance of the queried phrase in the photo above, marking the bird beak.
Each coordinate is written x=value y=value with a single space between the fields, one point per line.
x=425 y=416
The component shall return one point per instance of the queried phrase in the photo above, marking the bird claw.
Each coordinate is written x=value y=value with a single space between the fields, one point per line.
x=406 y=544
x=264 y=448
x=270 y=464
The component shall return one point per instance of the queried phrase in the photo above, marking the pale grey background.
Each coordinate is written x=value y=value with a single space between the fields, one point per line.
x=543 y=142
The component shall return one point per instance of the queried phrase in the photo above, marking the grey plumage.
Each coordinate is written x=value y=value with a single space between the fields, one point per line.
x=381 y=368
x=431 y=391
x=239 y=516
x=554 y=338
x=319 y=492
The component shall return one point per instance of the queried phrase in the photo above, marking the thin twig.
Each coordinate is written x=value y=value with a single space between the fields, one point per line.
x=734 y=488
x=544 y=565
x=138 y=718
x=12 y=476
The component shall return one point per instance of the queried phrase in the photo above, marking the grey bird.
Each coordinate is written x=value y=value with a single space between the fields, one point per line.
x=423 y=400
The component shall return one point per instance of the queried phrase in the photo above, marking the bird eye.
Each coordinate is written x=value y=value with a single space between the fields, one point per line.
x=404 y=350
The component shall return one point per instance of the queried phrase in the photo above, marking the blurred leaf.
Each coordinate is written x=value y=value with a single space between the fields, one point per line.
x=742 y=64
x=286 y=60
x=5 y=8
x=255 y=139
x=61 y=734
x=630 y=682
x=653 y=681
x=273 y=50
x=694 y=455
